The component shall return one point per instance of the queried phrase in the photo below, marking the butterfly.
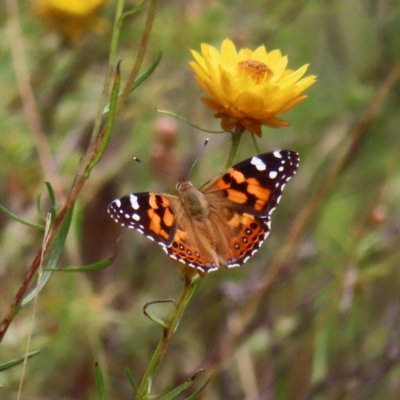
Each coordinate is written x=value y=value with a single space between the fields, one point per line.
x=223 y=223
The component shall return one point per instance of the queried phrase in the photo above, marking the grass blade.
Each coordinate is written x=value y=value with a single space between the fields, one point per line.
x=13 y=216
x=20 y=360
x=88 y=268
x=100 y=382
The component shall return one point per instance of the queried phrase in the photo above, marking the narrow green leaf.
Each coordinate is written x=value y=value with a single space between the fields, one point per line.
x=131 y=12
x=167 y=388
x=51 y=195
x=178 y=390
x=156 y=320
x=17 y=361
x=88 y=268
x=140 y=79
x=197 y=392
x=110 y=119
x=59 y=244
x=188 y=122
x=100 y=382
x=39 y=210
x=53 y=202
x=132 y=382
x=13 y=216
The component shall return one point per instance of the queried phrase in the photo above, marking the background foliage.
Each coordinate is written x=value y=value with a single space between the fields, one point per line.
x=327 y=328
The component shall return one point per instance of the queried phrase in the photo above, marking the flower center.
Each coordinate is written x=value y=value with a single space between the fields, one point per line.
x=256 y=70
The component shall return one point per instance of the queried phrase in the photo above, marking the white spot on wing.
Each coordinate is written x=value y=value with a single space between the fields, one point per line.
x=258 y=163
x=273 y=174
x=134 y=201
x=117 y=203
x=277 y=154
x=136 y=217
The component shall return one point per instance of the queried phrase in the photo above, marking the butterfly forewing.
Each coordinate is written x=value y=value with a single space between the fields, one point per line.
x=255 y=185
x=148 y=213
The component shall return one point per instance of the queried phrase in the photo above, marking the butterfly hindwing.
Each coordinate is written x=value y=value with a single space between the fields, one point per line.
x=184 y=250
x=148 y=213
x=250 y=233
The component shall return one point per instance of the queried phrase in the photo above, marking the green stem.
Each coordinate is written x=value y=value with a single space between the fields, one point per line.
x=236 y=138
x=191 y=285
x=140 y=56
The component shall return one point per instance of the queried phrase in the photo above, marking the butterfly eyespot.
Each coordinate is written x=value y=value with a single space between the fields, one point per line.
x=248 y=231
x=244 y=240
x=181 y=247
x=253 y=225
x=237 y=245
x=189 y=252
x=197 y=254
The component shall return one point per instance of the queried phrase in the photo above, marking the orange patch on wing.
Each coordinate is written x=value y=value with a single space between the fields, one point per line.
x=164 y=234
x=262 y=195
x=237 y=176
x=260 y=192
x=152 y=201
x=235 y=221
x=236 y=196
x=168 y=218
x=221 y=184
x=253 y=181
x=155 y=222
x=180 y=235
x=150 y=213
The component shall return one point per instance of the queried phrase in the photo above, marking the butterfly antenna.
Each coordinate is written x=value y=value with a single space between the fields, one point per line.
x=198 y=156
x=155 y=169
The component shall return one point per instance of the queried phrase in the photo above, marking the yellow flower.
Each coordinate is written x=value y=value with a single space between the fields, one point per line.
x=248 y=88
x=71 y=17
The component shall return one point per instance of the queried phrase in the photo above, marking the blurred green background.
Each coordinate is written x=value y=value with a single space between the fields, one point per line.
x=328 y=328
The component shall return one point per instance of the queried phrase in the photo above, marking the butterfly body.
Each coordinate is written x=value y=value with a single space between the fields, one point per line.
x=221 y=224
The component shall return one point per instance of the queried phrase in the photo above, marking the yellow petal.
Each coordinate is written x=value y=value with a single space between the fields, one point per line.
x=228 y=53
x=279 y=68
x=249 y=102
x=294 y=76
x=293 y=103
x=272 y=58
x=199 y=59
x=244 y=54
x=260 y=54
x=276 y=123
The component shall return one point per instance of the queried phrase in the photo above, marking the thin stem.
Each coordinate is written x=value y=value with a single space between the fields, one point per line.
x=236 y=139
x=109 y=73
x=47 y=163
x=191 y=285
x=140 y=56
